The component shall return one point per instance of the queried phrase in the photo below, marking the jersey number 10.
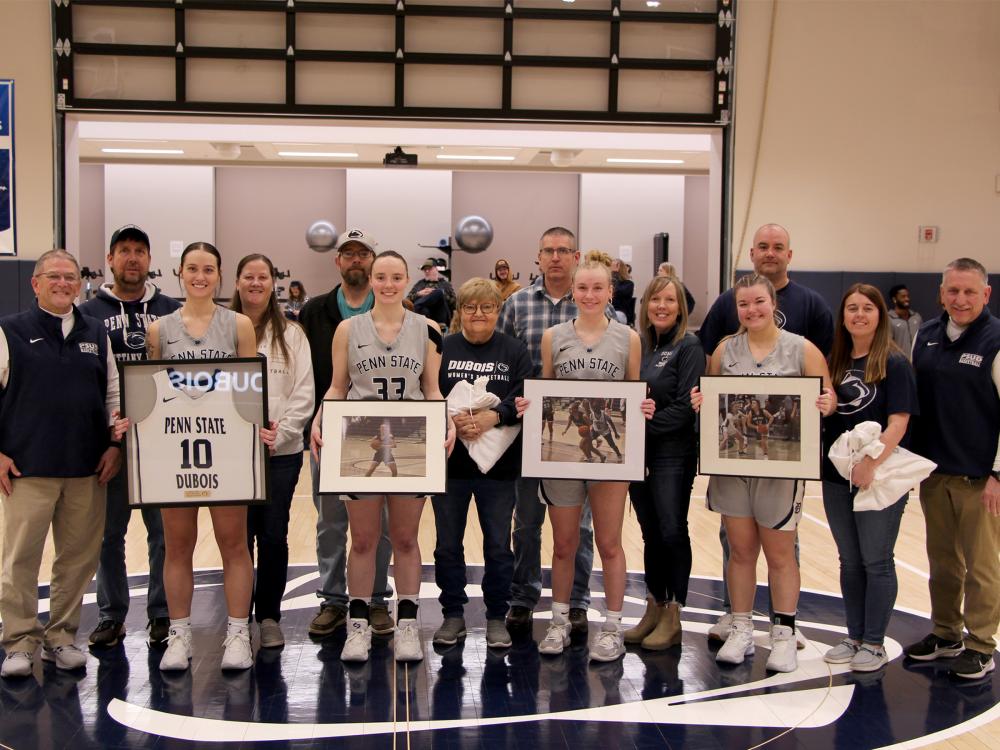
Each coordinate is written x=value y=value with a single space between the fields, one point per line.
x=202 y=454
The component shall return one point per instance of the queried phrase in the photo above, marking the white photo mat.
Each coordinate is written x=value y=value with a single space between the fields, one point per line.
x=339 y=460
x=566 y=461
x=716 y=459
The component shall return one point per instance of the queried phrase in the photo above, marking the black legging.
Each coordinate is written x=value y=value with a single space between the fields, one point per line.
x=661 y=504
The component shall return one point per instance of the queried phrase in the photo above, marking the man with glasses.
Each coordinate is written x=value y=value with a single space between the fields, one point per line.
x=525 y=315
x=58 y=397
x=127 y=306
x=320 y=317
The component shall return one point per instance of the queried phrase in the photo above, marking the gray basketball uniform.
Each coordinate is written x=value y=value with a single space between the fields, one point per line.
x=386 y=372
x=572 y=359
x=772 y=503
x=219 y=341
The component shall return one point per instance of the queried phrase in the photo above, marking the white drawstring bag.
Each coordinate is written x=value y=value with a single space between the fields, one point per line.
x=466 y=398
x=894 y=477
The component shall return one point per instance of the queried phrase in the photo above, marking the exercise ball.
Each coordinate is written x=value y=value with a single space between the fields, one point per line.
x=321 y=236
x=473 y=234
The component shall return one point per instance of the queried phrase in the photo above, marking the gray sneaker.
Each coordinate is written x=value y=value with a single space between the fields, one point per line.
x=450 y=631
x=65 y=657
x=270 y=634
x=17 y=664
x=869 y=659
x=843 y=652
x=497 y=635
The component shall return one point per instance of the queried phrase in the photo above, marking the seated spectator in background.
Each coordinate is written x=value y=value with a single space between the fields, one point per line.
x=667 y=269
x=623 y=291
x=503 y=279
x=905 y=322
x=433 y=296
x=296 y=298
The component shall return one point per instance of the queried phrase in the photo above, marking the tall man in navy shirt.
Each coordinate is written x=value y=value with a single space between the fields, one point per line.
x=126 y=307
x=957 y=359
x=800 y=310
x=58 y=395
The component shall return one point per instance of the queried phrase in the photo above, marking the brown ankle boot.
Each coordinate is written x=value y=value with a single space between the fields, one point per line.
x=645 y=626
x=667 y=632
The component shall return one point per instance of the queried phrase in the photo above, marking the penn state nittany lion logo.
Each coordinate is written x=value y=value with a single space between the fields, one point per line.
x=135 y=339
x=468 y=696
x=779 y=319
x=861 y=393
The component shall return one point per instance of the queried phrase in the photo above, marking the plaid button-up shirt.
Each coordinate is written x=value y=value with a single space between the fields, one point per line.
x=529 y=312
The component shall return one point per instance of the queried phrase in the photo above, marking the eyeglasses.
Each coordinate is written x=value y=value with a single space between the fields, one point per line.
x=54 y=276
x=486 y=308
x=352 y=254
x=564 y=251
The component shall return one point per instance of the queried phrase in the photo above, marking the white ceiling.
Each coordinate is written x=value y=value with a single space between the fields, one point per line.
x=258 y=142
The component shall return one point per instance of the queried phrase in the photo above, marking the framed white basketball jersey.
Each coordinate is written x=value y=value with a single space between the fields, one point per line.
x=194 y=446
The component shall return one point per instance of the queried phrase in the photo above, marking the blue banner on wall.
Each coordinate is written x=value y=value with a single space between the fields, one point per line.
x=8 y=237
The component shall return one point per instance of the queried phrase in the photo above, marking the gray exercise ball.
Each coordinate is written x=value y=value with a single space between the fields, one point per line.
x=321 y=236
x=473 y=234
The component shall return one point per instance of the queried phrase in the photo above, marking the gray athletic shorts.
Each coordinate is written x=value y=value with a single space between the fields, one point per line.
x=772 y=503
x=563 y=493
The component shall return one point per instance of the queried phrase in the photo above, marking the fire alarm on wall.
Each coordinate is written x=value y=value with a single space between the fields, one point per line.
x=928 y=234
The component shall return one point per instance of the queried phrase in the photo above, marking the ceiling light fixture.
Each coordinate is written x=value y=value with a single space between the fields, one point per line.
x=142 y=151
x=470 y=157
x=643 y=161
x=652 y=3
x=321 y=154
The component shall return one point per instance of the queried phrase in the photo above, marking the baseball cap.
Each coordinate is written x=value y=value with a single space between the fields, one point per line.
x=357 y=235
x=129 y=232
x=428 y=263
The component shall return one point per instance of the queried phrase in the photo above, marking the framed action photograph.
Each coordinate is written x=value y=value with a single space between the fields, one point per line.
x=584 y=429
x=194 y=433
x=760 y=427
x=383 y=447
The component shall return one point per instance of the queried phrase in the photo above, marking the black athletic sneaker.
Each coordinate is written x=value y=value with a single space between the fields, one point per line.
x=578 y=619
x=932 y=647
x=519 y=618
x=107 y=634
x=971 y=665
x=159 y=630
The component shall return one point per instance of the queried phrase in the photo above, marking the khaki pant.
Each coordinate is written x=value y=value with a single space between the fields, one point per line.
x=74 y=508
x=963 y=549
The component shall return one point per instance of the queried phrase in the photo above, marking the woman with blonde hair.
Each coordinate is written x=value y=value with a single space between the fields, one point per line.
x=672 y=363
x=611 y=351
x=478 y=350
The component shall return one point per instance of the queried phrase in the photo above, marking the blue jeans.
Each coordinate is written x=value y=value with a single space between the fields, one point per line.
x=865 y=542
x=331 y=548
x=268 y=525
x=529 y=515
x=112 y=576
x=495 y=506
x=661 y=505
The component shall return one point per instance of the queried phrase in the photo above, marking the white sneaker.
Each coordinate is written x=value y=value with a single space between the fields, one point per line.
x=406 y=641
x=237 y=652
x=720 y=631
x=784 y=656
x=65 y=657
x=177 y=656
x=556 y=638
x=739 y=644
x=869 y=659
x=609 y=644
x=17 y=664
x=359 y=641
